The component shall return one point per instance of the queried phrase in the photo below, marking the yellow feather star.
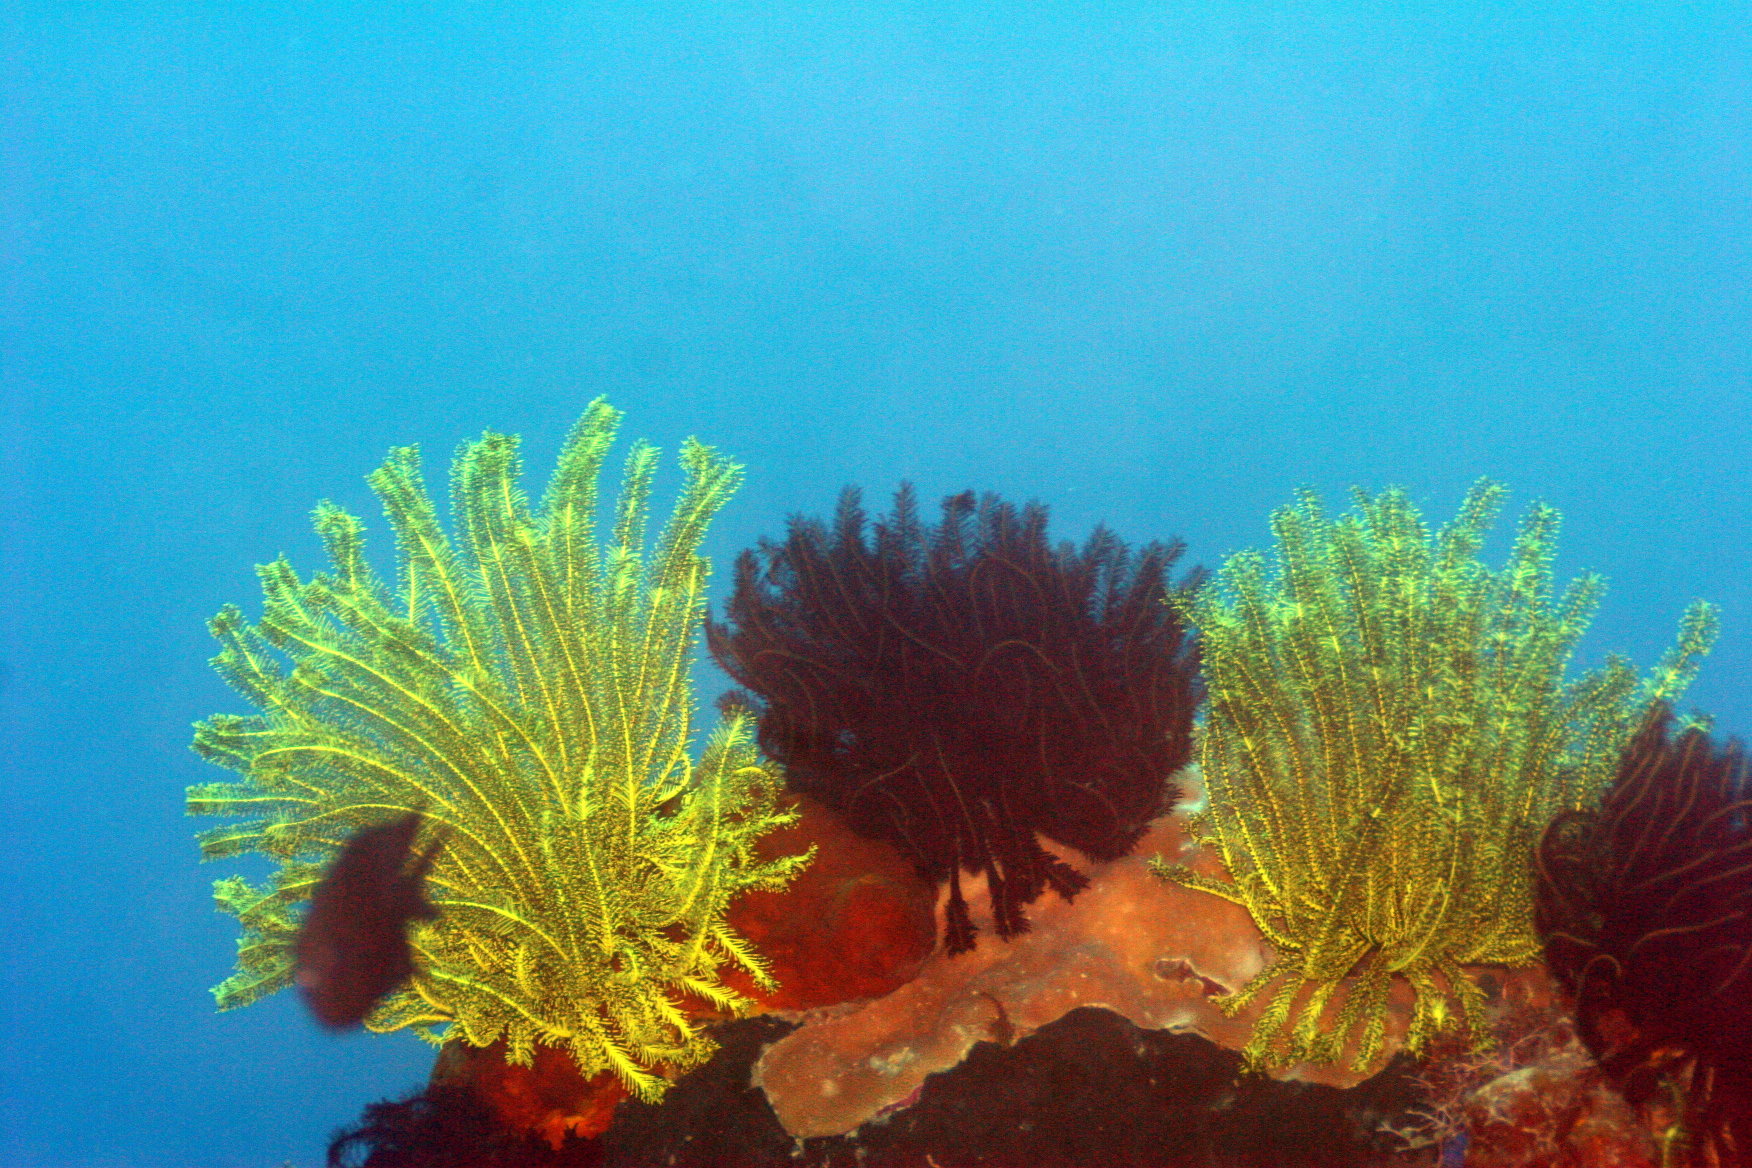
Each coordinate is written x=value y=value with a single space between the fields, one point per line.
x=527 y=690
x=1389 y=730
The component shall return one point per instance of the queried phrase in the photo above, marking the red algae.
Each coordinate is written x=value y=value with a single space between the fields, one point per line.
x=856 y=923
x=550 y=1099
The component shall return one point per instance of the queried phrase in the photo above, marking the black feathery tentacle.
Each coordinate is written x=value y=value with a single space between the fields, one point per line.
x=1645 y=906
x=963 y=689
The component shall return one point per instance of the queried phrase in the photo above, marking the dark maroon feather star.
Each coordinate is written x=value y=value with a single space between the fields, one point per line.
x=353 y=948
x=1645 y=907
x=954 y=691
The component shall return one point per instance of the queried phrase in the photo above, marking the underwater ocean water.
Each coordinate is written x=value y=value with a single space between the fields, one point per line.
x=1157 y=267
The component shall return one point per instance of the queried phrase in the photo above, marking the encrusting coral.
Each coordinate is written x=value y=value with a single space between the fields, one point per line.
x=526 y=690
x=955 y=691
x=1389 y=730
x=1152 y=952
x=857 y=923
x=1645 y=904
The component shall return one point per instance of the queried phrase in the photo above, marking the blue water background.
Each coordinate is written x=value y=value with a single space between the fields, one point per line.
x=1155 y=264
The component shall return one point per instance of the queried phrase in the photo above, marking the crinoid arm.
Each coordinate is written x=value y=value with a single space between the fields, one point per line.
x=524 y=687
x=1644 y=904
x=959 y=690
x=1389 y=730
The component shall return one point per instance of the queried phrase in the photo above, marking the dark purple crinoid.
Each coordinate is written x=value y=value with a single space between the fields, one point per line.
x=1645 y=907
x=955 y=690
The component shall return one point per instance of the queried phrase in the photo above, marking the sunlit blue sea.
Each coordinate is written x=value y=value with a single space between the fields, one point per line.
x=1154 y=265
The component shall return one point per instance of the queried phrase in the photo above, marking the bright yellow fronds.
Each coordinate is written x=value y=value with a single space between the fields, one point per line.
x=528 y=690
x=1389 y=730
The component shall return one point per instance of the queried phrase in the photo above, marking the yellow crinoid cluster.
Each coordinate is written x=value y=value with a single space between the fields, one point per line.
x=526 y=688
x=1389 y=730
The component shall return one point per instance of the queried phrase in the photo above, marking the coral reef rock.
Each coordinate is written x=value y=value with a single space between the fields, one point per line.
x=1087 y=1091
x=1144 y=948
x=1556 y=1113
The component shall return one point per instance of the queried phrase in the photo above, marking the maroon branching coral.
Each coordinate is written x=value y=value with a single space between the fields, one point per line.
x=957 y=689
x=1645 y=906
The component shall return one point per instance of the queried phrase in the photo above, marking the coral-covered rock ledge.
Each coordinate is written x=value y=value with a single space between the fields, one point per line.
x=1147 y=949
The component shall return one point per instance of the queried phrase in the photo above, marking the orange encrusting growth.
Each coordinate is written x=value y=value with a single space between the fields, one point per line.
x=550 y=1098
x=856 y=923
